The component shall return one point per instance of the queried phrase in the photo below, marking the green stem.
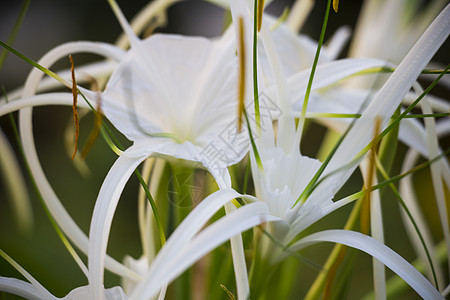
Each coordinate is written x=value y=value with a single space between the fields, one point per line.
x=301 y=122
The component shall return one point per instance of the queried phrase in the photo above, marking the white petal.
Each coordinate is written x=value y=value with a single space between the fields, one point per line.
x=326 y=74
x=374 y=248
x=83 y=292
x=84 y=74
x=410 y=200
x=436 y=170
x=140 y=266
x=17 y=285
x=19 y=288
x=39 y=100
x=230 y=225
x=103 y=214
x=51 y=200
x=238 y=255
x=192 y=224
x=164 y=80
x=386 y=101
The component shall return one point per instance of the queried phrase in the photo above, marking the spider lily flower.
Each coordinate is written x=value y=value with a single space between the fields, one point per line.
x=386 y=101
x=333 y=91
x=398 y=24
x=38 y=292
x=34 y=290
x=173 y=96
x=205 y=87
x=25 y=104
x=401 y=24
x=282 y=191
x=190 y=241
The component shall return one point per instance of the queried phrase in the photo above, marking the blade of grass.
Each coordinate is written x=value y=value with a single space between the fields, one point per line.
x=36 y=65
x=301 y=121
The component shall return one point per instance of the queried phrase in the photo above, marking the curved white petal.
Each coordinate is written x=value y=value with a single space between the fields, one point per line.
x=58 y=211
x=326 y=74
x=103 y=214
x=40 y=100
x=436 y=170
x=194 y=222
x=19 y=288
x=386 y=101
x=410 y=200
x=83 y=292
x=376 y=249
x=84 y=73
x=230 y=225
x=17 y=285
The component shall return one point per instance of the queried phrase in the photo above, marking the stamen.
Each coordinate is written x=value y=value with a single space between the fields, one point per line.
x=76 y=119
x=241 y=86
x=335 y=5
x=260 y=14
x=230 y=294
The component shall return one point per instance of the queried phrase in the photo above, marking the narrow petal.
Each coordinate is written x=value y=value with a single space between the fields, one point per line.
x=58 y=211
x=410 y=199
x=326 y=74
x=39 y=100
x=230 y=225
x=83 y=292
x=387 y=100
x=103 y=214
x=194 y=222
x=381 y=252
x=237 y=253
x=19 y=288
x=436 y=171
x=84 y=74
x=42 y=291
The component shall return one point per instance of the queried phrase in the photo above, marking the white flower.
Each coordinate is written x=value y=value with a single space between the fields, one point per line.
x=176 y=95
x=280 y=189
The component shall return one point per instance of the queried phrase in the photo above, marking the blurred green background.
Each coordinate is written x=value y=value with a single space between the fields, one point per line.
x=49 y=23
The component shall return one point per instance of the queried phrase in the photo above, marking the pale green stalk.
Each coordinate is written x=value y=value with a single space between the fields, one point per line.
x=302 y=118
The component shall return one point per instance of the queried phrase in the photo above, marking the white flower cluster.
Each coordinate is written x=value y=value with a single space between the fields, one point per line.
x=246 y=98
